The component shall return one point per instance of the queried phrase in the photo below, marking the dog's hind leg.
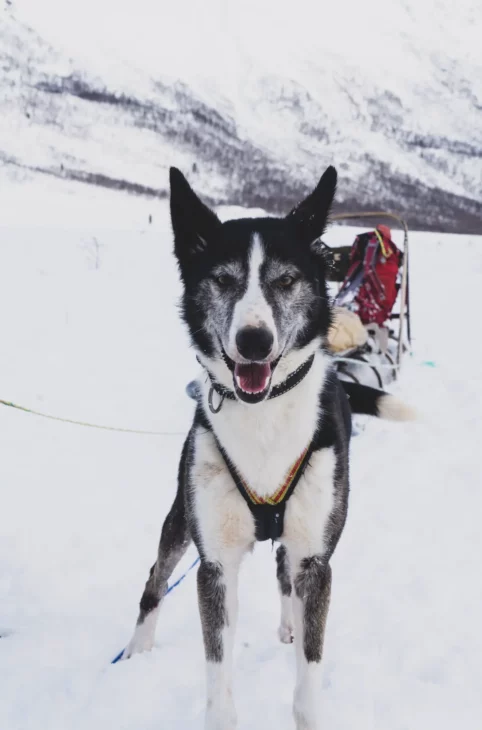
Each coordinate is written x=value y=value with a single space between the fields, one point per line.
x=175 y=539
x=285 y=630
x=311 y=601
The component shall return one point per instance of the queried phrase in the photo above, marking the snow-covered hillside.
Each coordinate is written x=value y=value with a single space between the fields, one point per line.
x=251 y=100
x=90 y=331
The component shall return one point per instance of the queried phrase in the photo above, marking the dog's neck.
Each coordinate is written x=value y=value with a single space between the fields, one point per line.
x=264 y=440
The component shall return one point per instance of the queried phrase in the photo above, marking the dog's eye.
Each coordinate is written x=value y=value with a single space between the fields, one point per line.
x=224 y=280
x=285 y=281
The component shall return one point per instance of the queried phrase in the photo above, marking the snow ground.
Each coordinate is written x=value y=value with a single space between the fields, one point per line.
x=90 y=331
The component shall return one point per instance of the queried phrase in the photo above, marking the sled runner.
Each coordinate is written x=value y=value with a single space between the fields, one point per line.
x=371 y=329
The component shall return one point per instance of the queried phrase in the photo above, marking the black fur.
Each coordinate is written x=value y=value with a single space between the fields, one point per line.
x=313 y=587
x=282 y=571
x=335 y=430
x=363 y=400
x=212 y=606
x=311 y=215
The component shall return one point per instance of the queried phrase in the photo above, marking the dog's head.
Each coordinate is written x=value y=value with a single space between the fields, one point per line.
x=254 y=289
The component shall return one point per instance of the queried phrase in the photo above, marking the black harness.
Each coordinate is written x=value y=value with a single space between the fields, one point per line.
x=268 y=516
x=268 y=513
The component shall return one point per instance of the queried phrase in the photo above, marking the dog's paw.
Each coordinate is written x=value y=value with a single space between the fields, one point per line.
x=144 y=635
x=135 y=646
x=285 y=633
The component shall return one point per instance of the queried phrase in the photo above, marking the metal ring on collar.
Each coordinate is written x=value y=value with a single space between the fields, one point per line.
x=210 y=400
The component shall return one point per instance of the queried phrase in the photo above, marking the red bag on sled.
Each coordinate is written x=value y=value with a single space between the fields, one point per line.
x=371 y=286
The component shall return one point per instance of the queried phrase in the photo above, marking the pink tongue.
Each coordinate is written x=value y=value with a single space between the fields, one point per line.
x=253 y=378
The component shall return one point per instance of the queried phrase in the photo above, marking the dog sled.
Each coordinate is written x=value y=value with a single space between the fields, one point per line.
x=369 y=282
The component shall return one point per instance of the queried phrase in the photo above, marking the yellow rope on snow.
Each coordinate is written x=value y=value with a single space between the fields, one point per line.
x=9 y=404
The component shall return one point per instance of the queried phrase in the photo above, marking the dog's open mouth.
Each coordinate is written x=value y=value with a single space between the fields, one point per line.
x=252 y=380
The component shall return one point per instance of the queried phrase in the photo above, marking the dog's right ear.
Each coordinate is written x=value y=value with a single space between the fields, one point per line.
x=193 y=223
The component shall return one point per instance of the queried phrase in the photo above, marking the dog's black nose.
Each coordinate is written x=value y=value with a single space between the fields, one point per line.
x=254 y=343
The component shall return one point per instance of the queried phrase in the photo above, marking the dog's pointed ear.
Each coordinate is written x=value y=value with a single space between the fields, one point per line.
x=193 y=223
x=311 y=216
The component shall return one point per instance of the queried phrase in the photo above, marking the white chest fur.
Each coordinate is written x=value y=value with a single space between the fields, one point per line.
x=263 y=441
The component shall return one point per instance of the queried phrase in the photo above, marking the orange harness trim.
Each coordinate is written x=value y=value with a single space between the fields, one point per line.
x=280 y=494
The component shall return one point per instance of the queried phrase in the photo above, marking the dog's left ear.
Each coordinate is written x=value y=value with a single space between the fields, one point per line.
x=193 y=223
x=311 y=216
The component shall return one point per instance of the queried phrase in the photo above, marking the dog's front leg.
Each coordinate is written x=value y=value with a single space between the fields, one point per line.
x=312 y=588
x=223 y=528
x=218 y=605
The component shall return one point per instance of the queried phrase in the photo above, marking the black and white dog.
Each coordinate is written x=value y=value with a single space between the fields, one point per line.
x=267 y=454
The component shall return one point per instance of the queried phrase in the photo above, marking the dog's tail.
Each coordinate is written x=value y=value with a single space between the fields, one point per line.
x=373 y=402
